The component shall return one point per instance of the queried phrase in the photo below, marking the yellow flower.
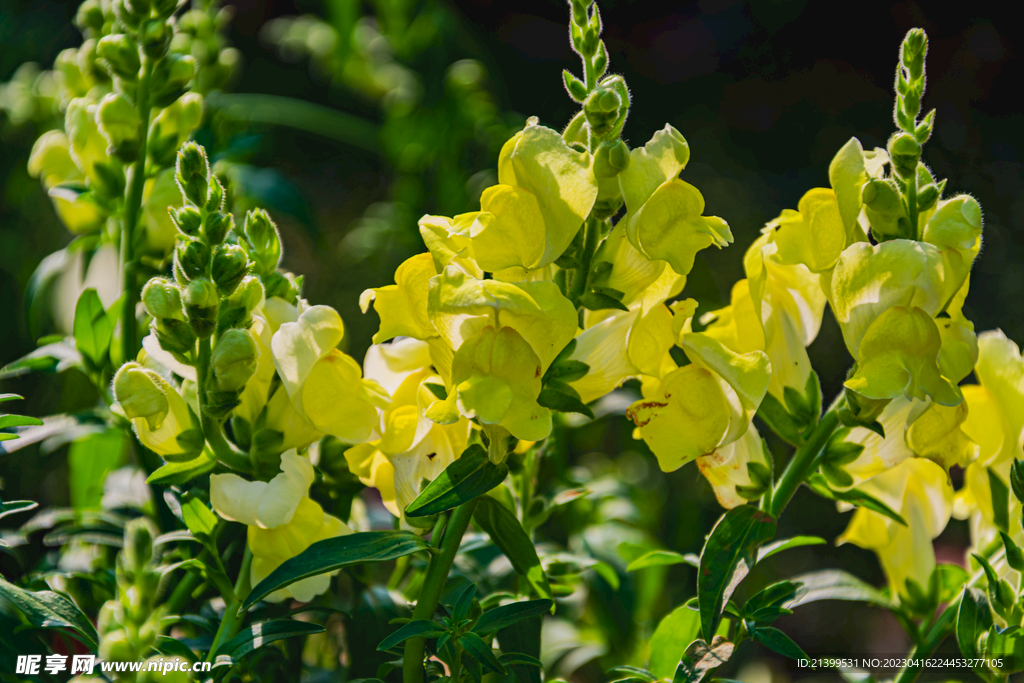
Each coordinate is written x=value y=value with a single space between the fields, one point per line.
x=727 y=468
x=813 y=235
x=51 y=162
x=642 y=281
x=920 y=492
x=162 y=419
x=325 y=385
x=412 y=448
x=402 y=307
x=283 y=521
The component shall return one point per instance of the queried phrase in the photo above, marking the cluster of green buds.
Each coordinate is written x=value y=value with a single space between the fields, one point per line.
x=893 y=204
x=209 y=302
x=129 y=624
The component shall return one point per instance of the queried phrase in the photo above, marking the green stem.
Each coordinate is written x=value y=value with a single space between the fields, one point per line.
x=433 y=584
x=581 y=275
x=232 y=619
x=801 y=465
x=222 y=449
x=911 y=197
x=132 y=206
x=942 y=627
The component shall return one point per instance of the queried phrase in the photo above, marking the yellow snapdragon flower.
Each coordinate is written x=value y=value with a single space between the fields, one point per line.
x=325 y=385
x=412 y=448
x=283 y=521
x=726 y=468
x=161 y=419
x=919 y=490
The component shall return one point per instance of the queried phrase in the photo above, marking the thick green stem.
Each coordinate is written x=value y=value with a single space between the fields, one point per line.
x=911 y=197
x=232 y=619
x=433 y=584
x=942 y=627
x=581 y=275
x=222 y=449
x=801 y=465
x=132 y=207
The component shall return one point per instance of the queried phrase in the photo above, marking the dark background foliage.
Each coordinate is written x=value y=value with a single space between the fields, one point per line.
x=765 y=93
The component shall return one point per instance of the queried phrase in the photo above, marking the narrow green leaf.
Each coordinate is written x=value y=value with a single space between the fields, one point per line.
x=10 y=397
x=700 y=658
x=1014 y=556
x=787 y=543
x=553 y=398
x=973 y=618
x=778 y=419
x=506 y=532
x=656 y=558
x=1000 y=500
x=172 y=647
x=633 y=672
x=199 y=519
x=19 y=421
x=181 y=472
x=331 y=554
x=260 y=634
x=835 y=584
x=519 y=658
x=819 y=485
x=777 y=641
x=46 y=609
x=472 y=475
x=420 y=628
x=727 y=557
x=476 y=648
x=92 y=327
x=12 y=507
x=677 y=630
x=773 y=595
x=89 y=461
x=506 y=615
x=949 y=580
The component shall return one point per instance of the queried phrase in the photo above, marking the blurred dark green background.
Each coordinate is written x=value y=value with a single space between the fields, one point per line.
x=765 y=93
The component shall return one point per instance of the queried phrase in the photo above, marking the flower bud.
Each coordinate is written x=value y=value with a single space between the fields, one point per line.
x=191 y=171
x=234 y=360
x=138 y=544
x=131 y=12
x=215 y=196
x=188 y=219
x=884 y=208
x=175 y=336
x=172 y=127
x=905 y=152
x=576 y=88
x=603 y=108
x=120 y=56
x=140 y=395
x=121 y=125
x=162 y=299
x=230 y=265
x=171 y=77
x=155 y=36
x=88 y=61
x=165 y=8
x=217 y=226
x=282 y=285
x=860 y=411
x=263 y=241
x=610 y=159
x=193 y=257
x=90 y=16
x=201 y=301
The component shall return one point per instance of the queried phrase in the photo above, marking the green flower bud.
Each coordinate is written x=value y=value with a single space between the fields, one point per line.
x=234 y=360
x=110 y=618
x=172 y=127
x=610 y=159
x=120 y=56
x=217 y=226
x=90 y=16
x=926 y=197
x=88 y=61
x=609 y=198
x=230 y=264
x=75 y=81
x=171 y=78
x=165 y=8
x=201 y=302
x=115 y=646
x=192 y=257
x=249 y=293
x=605 y=106
x=215 y=195
x=188 y=219
x=175 y=336
x=262 y=241
x=138 y=543
x=192 y=170
x=155 y=36
x=860 y=411
x=576 y=88
x=235 y=311
x=905 y=152
x=121 y=125
x=140 y=395
x=162 y=299
x=282 y=285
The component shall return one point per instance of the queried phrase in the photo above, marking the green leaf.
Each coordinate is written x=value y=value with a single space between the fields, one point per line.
x=835 y=584
x=1014 y=556
x=787 y=543
x=13 y=507
x=567 y=371
x=333 y=553
x=819 y=485
x=656 y=558
x=476 y=648
x=260 y=634
x=778 y=419
x=519 y=658
x=635 y=673
x=89 y=461
x=46 y=609
x=523 y=637
x=674 y=633
x=595 y=301
x=19 y=421
x=181 y=472
x=555 y=396
x=700 y=658
x=727 y=557
x=771 y=596
x=92 y=328
x=471 y=475
x=1000 y=501
x=199 y=519
x=420 y=628
x=506 y=532
x=950 y=579
x=973 y=618
x=777 y=641
x=506 y=615
x=172 y=647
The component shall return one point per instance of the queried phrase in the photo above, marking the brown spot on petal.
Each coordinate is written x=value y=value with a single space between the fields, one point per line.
x=431 y=456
